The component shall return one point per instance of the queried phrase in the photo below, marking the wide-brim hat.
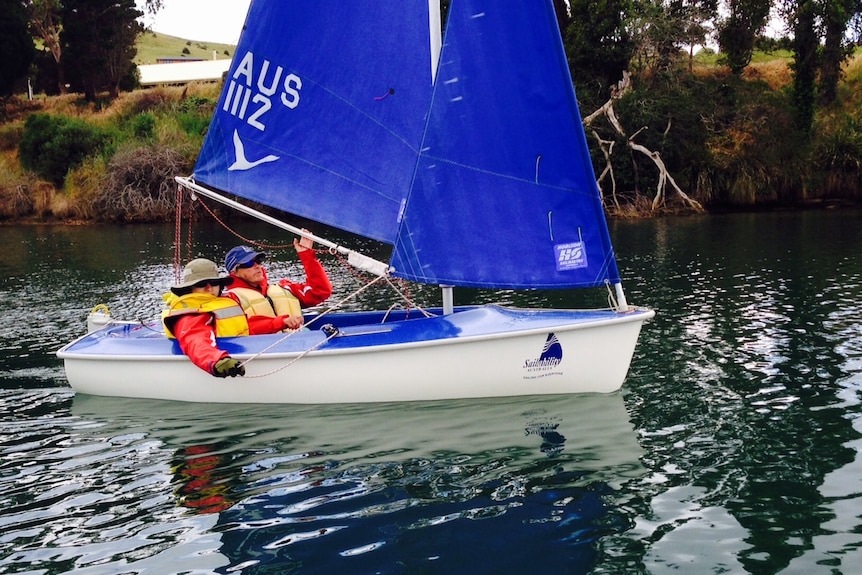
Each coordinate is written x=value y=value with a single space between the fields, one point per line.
x=199 y=270
x=241 y=255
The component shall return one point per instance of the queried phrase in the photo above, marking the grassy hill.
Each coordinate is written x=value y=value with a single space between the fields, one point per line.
x=154 y=45
x=729 y=141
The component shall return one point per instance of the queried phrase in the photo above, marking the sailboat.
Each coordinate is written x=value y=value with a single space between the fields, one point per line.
x=461 y=149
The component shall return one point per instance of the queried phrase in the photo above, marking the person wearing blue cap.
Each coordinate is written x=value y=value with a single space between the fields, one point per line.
x=278 y=305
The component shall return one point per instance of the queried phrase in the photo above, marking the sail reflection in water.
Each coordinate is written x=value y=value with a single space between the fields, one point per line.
x=492 y=485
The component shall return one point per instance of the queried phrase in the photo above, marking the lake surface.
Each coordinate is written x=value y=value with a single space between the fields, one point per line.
x=734 y=446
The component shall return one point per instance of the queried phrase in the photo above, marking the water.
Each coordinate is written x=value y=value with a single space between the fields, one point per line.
x=734 y=446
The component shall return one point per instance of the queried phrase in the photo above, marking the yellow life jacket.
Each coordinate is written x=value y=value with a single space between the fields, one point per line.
x=278 y=301
x=229 y=317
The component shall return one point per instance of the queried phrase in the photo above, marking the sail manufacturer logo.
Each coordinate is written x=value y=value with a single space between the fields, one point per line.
x=571 y=256
x=255 y=87
x=548 y=361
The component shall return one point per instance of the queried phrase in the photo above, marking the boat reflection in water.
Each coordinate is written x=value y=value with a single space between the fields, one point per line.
x=492 y=485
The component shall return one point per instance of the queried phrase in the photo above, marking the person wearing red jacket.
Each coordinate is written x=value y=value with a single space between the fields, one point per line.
x=275 y=306
x=196 y=315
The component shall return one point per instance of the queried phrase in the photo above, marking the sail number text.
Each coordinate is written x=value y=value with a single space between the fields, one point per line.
x=253 y=90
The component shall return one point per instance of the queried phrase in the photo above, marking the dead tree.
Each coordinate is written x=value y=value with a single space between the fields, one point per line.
x=607 y=147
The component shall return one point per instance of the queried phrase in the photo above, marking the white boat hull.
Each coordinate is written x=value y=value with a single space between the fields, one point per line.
x=481 y=352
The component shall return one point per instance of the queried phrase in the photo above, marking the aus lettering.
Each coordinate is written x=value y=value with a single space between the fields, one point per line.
x=254 y=88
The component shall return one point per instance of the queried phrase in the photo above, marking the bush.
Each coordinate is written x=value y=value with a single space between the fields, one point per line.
x=139 y=185
x=838 y=154
x=10 y=135
x=52 y=145
x=194 y=115
x=143 y=126
x=15 y=200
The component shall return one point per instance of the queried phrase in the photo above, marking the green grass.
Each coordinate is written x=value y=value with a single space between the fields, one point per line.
x=710 y=58
x=153 y=45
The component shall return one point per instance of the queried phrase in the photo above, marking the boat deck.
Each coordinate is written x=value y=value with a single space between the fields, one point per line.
x=355 y=330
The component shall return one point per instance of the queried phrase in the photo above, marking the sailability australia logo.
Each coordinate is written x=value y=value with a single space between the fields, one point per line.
x=548 y=361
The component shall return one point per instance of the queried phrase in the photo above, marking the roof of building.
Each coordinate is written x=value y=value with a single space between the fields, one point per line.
x=182 y=72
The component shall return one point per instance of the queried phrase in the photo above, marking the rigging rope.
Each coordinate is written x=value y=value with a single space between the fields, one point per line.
x=403 y=291
x=237 y=234
x=178 y=224
x=328 y=310
x=612 y=298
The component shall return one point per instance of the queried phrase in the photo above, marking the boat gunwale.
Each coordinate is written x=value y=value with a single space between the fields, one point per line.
x=641 y=314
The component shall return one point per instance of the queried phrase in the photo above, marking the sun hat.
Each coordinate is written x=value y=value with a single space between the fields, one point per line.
x=240 y=255
x=198 y=270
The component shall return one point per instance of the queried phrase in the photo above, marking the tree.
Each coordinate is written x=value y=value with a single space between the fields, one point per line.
x=690 y=17
x=153 y=6
x=661 y=29
x=837 y=15
x=98 y=39
x=805 y=46
x=737 y=32
x=598 y=45
x=45 y=22
x=16 y=46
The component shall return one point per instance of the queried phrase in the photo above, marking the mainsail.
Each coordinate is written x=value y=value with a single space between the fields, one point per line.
x=323 y=109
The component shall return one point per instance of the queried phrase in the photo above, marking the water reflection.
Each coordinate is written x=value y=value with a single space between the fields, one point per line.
x=734 y=448
x=760 y=330
x=329 y=488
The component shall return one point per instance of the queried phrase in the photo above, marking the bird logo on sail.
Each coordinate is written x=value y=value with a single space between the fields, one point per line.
x=241 y=162
x=548 y=360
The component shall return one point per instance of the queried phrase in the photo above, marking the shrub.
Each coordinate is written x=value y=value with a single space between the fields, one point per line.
x=143 y=126
x=139 y=185
x=149 y=100
x=52 y=145
x=194 y=115
x=838 y=154
x=15 y=198
x=10 y=135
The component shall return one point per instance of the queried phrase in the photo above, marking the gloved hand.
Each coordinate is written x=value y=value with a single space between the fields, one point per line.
x=228 y=366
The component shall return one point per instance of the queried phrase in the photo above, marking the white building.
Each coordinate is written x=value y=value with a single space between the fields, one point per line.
x=183 y=72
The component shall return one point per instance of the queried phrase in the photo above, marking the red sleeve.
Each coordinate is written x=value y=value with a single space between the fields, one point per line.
x=197 y=340
x=259 y=324
x=317 y=287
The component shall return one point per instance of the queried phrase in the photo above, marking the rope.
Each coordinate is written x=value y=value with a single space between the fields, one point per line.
x=178 y=224
x=612 y=298
x=237 y=234
x=190 y=226
x=404 y=294
x=317 y=345
x=364 y=279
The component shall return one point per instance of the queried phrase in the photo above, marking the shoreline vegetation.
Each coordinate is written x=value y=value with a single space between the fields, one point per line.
x=725 y=143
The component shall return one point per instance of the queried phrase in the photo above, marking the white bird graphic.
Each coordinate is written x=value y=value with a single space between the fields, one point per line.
x=241 y=163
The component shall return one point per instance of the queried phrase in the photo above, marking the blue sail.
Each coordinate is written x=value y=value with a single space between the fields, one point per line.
x=504 y=194
x=480 y=177
x=322 y=111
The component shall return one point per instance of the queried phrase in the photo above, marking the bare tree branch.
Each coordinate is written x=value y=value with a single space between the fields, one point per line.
x=607 y=110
